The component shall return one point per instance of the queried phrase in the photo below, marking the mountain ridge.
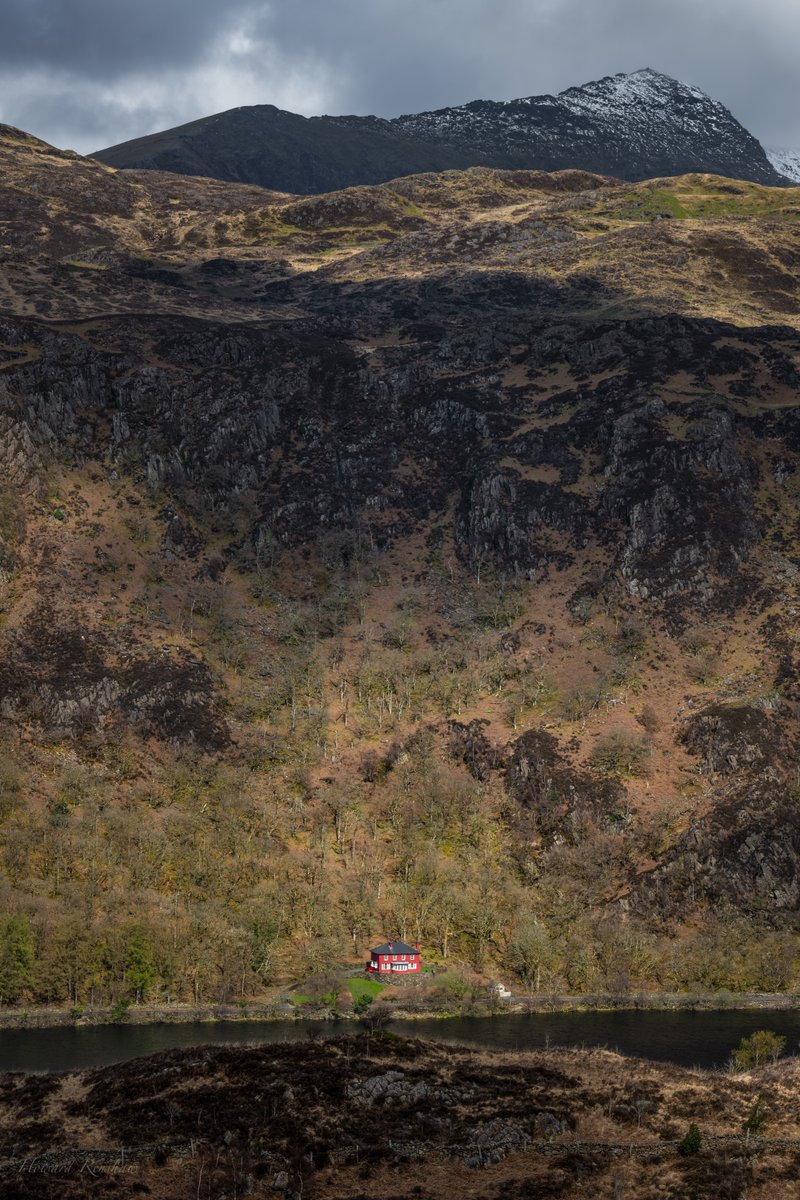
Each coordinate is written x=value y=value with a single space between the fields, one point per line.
x=635 y=126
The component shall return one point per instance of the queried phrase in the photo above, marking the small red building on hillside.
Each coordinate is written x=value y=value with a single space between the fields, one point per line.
x=394 y=957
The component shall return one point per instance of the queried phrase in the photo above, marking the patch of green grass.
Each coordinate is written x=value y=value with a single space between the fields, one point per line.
x=360 y=989
x=690 y=198
x=676 y=425
x=86 y=266
x=411 y=209
x=262 y=226
x=644 y=205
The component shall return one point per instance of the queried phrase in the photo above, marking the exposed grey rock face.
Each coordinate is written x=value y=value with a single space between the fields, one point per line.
x=392 y=1087
x=635 y=126
x=785 y=162
x=548 y=796
x=507 y=518
x=745 y=854
x=311 y=437
x=680 y=504
x=744 y=857
x=308 y=440
x=732 y=739
x=687 y=501
x=638 y=125
x=494 y=1140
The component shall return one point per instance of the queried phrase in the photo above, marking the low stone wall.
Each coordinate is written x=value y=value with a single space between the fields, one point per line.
x=503 y=1140
x=264 y=1010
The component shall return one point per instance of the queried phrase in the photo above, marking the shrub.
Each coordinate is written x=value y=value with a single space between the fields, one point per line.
x=376 y=1019
x=648 y=719
x=578 y=703
x=322 y=988
x=451 y=987
x=631 y=638
x=756 y=1117
x=704 y=668
x=621 y=753
x=691 y=1143
x=120 y=1010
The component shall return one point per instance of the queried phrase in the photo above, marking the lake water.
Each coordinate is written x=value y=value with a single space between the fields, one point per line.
x=688 y=1038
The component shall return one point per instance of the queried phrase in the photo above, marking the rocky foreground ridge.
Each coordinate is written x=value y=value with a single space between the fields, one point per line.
x=394 y=1118
x=420 y=557
x=636 y=126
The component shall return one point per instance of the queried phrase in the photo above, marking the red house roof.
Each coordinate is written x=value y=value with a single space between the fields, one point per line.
x=395 y=948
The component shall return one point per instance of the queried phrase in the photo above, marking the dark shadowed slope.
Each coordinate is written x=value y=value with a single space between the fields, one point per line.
x=392 y=1119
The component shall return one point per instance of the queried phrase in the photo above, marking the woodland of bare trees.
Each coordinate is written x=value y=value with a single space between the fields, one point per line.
x=339 y=816
x=216 y=882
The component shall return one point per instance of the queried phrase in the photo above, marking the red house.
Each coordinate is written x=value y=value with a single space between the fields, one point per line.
x=394 y=957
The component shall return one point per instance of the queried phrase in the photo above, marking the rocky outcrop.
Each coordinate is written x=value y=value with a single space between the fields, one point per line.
x=293 y=426
x=172 y=698
x=507 y=519
x=66 y=678
x=470 y=745
x=392 y=1088
x=737 y=739
x=744 y=857
x=686 y=501
x=745 y=853
x=546 y=794
x=313 y=437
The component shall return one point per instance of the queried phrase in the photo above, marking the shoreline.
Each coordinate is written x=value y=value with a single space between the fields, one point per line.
x=265 y=1012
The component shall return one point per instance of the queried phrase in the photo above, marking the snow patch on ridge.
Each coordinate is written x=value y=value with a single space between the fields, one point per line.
x=786 y=162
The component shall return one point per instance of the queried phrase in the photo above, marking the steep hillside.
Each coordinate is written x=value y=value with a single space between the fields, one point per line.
x=635 y=126
x=416 y=559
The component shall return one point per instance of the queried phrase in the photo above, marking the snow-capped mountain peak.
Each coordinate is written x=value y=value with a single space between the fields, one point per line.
x=636 y=125
x=645 y=86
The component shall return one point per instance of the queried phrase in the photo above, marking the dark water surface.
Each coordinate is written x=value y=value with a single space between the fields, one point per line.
x=688 y=1038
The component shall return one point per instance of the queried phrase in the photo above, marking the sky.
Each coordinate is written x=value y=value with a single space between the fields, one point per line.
x=85 y=74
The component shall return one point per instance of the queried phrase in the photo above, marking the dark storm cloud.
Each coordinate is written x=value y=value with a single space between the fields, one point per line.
x=91 y=72
x=103 y=38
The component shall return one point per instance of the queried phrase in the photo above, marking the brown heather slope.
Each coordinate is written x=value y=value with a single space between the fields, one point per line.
x=697 y=244
x=393 y=1119
x=419 y=558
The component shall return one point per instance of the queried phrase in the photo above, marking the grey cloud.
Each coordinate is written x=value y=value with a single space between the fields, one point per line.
x=395 y=57
x=92 y=72
x=99 y=39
